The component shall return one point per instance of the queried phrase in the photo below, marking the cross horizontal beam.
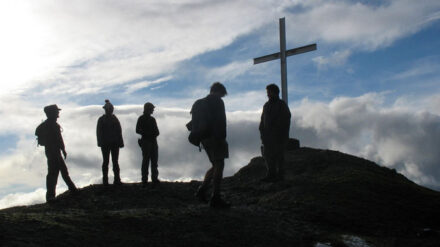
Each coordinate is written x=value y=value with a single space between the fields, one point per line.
x=291 y=52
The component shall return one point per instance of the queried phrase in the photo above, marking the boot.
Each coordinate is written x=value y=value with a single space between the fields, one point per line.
x=117 y=182
x=117 y=179
x=155 y=180
x=74 y=191
x=50 y=198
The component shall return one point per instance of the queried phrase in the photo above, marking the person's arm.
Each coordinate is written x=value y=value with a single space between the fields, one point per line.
x=99 y=132
x=61 y=142
x=119 y=130
x=222 y=120
x=139 y=124
x=261 y=126
x=156 y=129
x=285 y=120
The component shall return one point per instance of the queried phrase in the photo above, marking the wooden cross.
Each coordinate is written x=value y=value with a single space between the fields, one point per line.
x=282 y=56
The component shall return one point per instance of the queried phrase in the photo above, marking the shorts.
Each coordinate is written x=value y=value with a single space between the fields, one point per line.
x=216 y=149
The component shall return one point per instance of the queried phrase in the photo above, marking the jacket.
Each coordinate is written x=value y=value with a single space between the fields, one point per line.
x=275 y=122
x=54 y=139
x=217 y=117
x=109 y=131
x=147 y=127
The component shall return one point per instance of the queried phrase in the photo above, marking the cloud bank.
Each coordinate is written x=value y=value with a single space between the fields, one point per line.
x=391 y=135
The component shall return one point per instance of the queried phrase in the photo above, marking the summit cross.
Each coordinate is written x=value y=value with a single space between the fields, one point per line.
x=282 y=56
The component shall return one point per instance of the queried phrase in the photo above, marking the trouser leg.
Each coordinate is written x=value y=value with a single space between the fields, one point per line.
x=145 y=162
x=270 y=160
x=208 y=175
x=270 y=166
x=51 y=179
x=208 y=178
x=217 y=176
x=105 y=160
x=154 y=158
x=280 y=167
x=115 y=158
x=65 y=174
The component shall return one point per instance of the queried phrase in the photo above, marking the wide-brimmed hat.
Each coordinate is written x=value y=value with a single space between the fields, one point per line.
x=51 y=108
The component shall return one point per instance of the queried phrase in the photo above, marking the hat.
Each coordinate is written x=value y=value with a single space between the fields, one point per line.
x=51 y=108
x=108 y=105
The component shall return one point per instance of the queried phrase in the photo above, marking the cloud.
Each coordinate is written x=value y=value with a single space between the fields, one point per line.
x=82 y=47
x=229 y=71
x=433 y=17
x=22 y=199
x=144 y=84
x=391 y=136
x=336 y=59
x=417 y=70
x=359 y=25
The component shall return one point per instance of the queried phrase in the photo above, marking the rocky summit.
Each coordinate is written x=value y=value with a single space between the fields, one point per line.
x=326 y=199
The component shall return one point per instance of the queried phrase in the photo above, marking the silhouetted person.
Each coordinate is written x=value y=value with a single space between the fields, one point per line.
x=109 y=135
x=215 y=146
x=147 y=127
x=274 y=133
x=54 y=145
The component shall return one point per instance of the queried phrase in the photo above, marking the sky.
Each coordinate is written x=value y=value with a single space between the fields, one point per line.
x=371 y=89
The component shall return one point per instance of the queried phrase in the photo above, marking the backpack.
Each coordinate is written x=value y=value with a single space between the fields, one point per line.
x=199 y=126
x=41 y=133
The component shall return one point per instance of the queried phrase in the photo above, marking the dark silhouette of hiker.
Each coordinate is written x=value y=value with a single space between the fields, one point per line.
x=54 y=145
x=215 y=146
x=147 y=127
x=274 y=133
x=109 y=135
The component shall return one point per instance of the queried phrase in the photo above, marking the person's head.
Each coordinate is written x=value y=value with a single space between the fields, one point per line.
x=52 y=111
x=148 y=108
x=273 y=91
x=108 y=107
x=219 y=89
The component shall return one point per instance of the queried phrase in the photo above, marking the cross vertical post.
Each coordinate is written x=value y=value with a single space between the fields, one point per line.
x=282 y=55
x=283 y=60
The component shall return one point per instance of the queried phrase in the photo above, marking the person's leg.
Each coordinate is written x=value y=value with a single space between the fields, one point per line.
x=145 y=161
x=105 y=160
x=115 y=158
x=51 y=178
x=271 y=163
x=208 y=178
x=218 y=167
x=65 y=174
x=201 y=191
x=216 y=200
x=271 y=166
x=217 y=155
x=280 y=167
x=154 y=166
